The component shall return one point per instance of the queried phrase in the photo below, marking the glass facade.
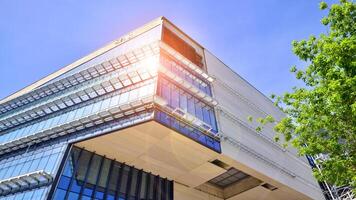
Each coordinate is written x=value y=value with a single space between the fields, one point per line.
x=37 y=194
x=142 y=40
x=46 y=159
x=75 y=95
x=178 y=69
x=188 y=131
x=87 y=175
x=34 y=159
x=179 y=98
x=124 y=96
x=116 y=89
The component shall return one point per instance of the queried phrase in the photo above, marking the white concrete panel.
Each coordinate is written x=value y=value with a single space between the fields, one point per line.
x=237 y=100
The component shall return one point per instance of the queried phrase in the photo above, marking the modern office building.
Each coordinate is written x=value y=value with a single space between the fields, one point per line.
x=152 y=115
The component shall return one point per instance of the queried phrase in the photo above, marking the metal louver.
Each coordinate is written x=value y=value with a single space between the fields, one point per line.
x=25 y=182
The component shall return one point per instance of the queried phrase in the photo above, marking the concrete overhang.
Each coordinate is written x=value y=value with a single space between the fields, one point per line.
x=160 y=150
x=261 y=193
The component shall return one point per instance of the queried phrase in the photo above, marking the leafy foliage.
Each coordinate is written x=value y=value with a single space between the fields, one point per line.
x=321 y=116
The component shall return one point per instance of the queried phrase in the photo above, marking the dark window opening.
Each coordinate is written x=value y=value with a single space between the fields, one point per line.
x=182 y=47
x=269 y=186
x=220 y=163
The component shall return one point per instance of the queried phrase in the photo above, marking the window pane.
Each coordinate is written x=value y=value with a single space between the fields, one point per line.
x=134 y=182
x=59 y=195
x=96 y=107
x=104 y=173
x=105 y=104
x=81 y=170
x=73 y=196
x=198 y=110
x=133 y=95
x=183 y=101
x=124 y=179
x=94 y=169
x=52 y=162
x=213 y=120
x=110 y=173
x=87 y=110
x=64 y=182
x=71 y=115
x=174 y=97
x=165 y=89
x=190 y=105
x=115 y=101
x=124 y=98
x=206 y=115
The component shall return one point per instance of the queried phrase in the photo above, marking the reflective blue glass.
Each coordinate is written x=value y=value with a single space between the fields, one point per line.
x=188 y=131
x=60 y=194
x=179 y=98
x=186 y=74
x=107 y=179
x=128 y=95
x=64 y=183
x=44 y=158
x=38 y=194
x=73 y=196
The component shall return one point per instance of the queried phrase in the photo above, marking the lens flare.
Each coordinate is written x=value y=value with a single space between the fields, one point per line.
x=150 y=64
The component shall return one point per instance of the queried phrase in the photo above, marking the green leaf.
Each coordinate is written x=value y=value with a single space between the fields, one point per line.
x=293 y=68
x=259 y=129
x=323 y=5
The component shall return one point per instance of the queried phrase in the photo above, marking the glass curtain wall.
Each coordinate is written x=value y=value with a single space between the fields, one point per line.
x=34 y=159
x=124 y=96
x=37 y=194
x=177 y=97
x=87 y=175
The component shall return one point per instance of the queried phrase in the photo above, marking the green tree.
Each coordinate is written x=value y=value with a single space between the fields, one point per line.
x=321 y=115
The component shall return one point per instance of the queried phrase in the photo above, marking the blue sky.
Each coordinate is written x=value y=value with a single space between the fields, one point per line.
x=253 y=37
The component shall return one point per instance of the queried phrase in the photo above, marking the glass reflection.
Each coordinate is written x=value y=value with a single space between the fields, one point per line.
x=87 y=175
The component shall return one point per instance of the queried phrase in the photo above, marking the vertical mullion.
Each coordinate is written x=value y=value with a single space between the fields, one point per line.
x=86 y=175
x=108 y=180
x=74 y=172
x=118 y=183
x=98 y=177
x=128 y=185
x=155 y=187
x=163 y=189
x=148 y=180
x=171 y=190
x=65 y=159
x=138 y=185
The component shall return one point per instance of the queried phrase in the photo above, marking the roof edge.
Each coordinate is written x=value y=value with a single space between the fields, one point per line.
x=164 y=19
